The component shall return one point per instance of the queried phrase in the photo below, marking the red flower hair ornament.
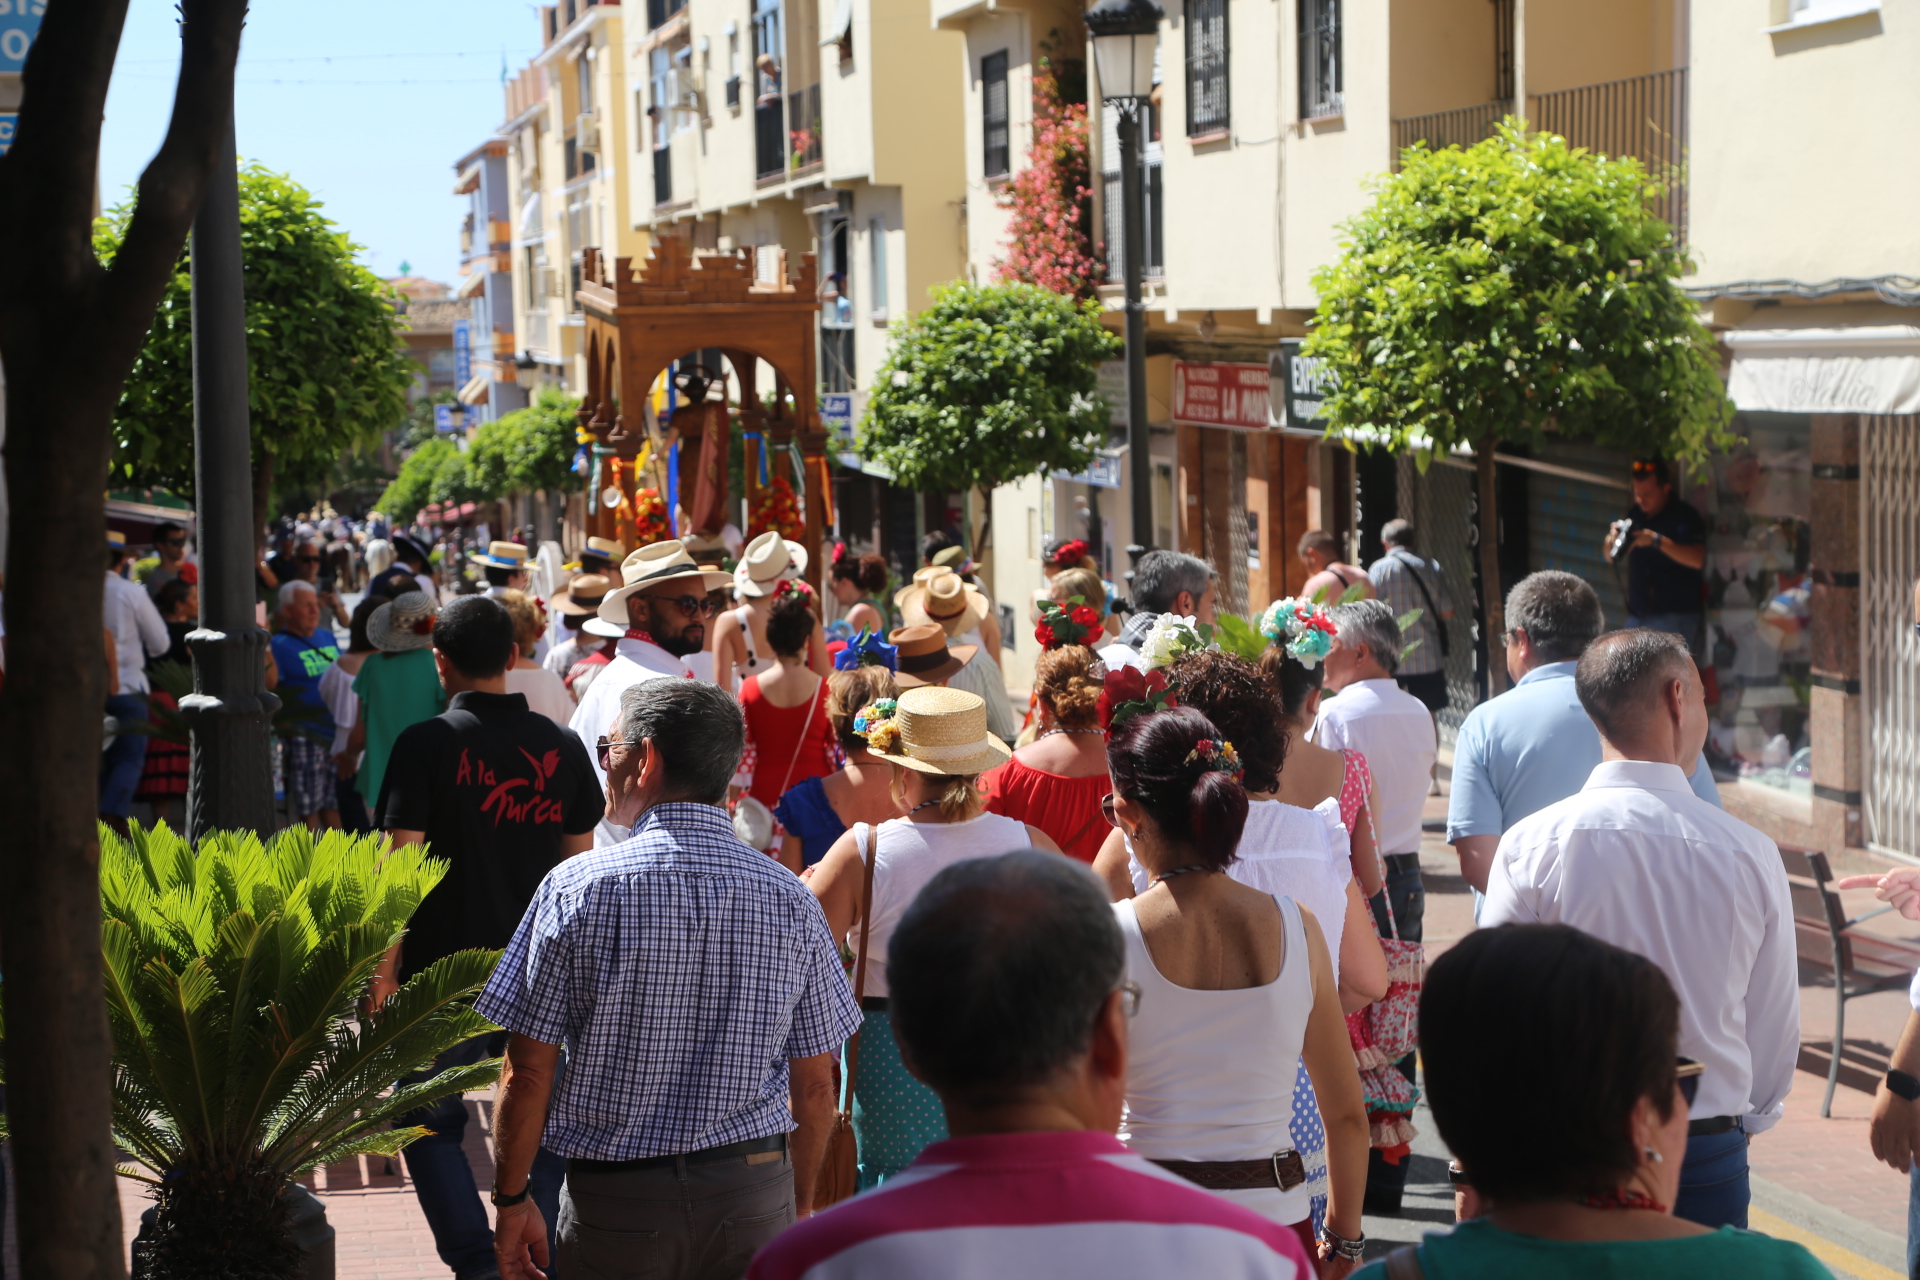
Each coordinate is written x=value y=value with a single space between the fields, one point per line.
x=1071 y=553
x=1060 y=627
x=1128 y=692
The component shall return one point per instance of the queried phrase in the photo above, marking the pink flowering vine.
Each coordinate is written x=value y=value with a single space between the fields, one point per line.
x=1048 y=238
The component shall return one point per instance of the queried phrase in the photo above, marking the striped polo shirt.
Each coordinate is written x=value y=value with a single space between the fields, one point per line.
x=1073 y=1203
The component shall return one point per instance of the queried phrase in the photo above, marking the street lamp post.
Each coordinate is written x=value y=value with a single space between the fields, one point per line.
x=230 y=712
x=1125 y=36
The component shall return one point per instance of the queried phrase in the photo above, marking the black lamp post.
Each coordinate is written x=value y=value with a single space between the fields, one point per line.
x=230 y=712
x=1125 y=35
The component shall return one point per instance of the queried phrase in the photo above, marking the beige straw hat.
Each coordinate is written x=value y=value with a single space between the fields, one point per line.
x=944 y=732
x=925 y=657
x=956 y=606
x=763 y=565
x=652 y=566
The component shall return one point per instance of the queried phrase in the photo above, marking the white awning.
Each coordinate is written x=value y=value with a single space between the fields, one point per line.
x=468 y=182
x=1863 y=369
x=471 y=284
x=841 y=28
x=530 y=227
x=475 y=392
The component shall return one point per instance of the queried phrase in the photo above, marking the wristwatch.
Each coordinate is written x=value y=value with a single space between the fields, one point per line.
x=1904 y=1085
x=507 y=1202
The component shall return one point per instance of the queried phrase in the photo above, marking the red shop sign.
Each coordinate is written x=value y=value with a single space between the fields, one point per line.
x=1221 y=395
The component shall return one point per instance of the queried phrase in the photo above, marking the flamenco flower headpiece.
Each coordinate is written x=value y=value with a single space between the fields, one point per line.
x=1215 y=757
x=1061 y=627
x=867 y=650
x=1070 y=554
x=1301 y=627
x=1127 y=692
x=793 y=587
x=874 y=722
x=1173 y=638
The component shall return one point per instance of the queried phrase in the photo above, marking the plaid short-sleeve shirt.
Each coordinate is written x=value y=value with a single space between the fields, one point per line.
x=682 y=970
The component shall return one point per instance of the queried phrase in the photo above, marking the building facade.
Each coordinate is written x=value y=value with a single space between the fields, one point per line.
x=489 y=378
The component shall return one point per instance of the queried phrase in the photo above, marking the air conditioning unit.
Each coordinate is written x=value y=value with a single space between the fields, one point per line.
x=586 y=131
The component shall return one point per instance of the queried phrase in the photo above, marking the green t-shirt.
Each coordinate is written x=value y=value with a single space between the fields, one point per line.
x=396 y=690
x=1479 y=1250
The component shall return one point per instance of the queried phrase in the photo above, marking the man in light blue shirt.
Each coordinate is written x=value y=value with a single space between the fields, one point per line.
x=1533 y=745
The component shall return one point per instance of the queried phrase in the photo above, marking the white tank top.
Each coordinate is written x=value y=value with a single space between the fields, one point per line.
x=1210 y=1074
x=908 y=854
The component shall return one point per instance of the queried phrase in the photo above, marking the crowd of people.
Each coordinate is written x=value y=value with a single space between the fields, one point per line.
x=821 y=958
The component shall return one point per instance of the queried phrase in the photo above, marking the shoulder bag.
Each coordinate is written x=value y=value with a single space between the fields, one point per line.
x=840 y=1172
x=1439 y=623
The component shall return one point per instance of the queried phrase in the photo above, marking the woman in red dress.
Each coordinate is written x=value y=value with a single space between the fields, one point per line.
x=789 y=738
x=1056 y=782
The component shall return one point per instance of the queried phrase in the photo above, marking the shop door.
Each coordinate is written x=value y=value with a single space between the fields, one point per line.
x=1890 y=562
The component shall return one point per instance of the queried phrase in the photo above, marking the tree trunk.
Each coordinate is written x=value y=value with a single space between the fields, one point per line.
x=70 y=329
x=1493 y=603
x=983 y=538
x=262 y=492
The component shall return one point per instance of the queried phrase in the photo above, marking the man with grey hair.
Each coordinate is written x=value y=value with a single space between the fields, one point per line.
x=1370 y=713
x=1163 y=582
x=1407 y=581
x=1637 y=859
x=303 y=649
x=1534 y=744
x=1007 y=986
x=699 y=994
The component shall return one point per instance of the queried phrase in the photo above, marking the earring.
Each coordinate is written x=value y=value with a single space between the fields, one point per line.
x=1654 y=1156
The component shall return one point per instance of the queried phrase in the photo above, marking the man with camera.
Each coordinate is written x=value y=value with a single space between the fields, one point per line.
x=1664 y=541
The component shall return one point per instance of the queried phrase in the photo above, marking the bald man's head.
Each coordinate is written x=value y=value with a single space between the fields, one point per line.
x=1623 y=676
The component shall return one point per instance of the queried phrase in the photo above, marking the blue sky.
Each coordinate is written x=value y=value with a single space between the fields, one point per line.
x=365 y=103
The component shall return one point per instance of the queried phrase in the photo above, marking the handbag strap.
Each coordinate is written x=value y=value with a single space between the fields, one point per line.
x=868 y=856
x=1439 y=623
x=800 y=743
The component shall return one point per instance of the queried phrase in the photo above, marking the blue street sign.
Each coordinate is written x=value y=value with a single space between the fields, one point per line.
x=836 y=416
x=19 y=24
x=8 y=119
x=448 y=417
x=1104 y=473
x=462 y=345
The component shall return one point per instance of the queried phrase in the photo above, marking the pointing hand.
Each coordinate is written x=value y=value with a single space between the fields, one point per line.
x=1900 y=886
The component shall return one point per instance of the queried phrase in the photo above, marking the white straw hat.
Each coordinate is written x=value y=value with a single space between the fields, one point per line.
x=763 y=565
x=652 y=566
x=944 y=732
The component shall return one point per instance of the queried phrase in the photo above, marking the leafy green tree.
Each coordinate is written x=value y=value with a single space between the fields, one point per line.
x=527 y=450
x=326 y=368
x=435 y=472
x=988 y=385
x=1511 y=292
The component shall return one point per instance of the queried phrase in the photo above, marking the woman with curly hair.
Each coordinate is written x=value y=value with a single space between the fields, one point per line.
x=1057 y=781
x=857 y=583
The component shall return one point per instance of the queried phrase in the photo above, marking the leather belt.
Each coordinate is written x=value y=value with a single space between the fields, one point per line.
x=1707 y=1126
x=774 y=1144
x=1284 y=1169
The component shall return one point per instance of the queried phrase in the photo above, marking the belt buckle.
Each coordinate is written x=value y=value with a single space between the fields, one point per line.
x=1285 y=1163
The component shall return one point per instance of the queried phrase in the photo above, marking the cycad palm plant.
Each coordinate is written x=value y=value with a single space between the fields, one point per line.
x=233 y=976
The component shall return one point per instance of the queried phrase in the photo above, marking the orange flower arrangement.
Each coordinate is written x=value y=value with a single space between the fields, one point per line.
x=778 y=509
x=649 y=518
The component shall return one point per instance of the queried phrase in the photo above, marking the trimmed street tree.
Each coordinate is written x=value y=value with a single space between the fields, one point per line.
x=528 y=450
x=990 y=384
x=70 y=329
x=1511 y=292
x=327 y=370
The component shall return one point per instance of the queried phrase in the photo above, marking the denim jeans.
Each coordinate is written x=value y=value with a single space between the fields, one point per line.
x=1913 y=1222
x=125 y=757
x=1714 y=1190
x=443 y=1179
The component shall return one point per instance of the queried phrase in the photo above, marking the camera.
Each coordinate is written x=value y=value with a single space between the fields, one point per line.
x=1622 y=531
x=327 y=584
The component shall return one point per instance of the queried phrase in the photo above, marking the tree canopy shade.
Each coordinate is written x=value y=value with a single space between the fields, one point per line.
x=988 y=385
x=1512 y=291
x=327 y=370
x=521 y=452
x=1518 y=288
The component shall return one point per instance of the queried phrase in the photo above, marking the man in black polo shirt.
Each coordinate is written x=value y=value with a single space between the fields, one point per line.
x=1666 y=557
x=503 y=795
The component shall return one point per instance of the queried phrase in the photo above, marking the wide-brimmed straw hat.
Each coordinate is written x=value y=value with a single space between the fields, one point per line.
x=944 y=599
x=581 y=598
x=920 y=579
x=765 y=563
x=944 y=732
x=600 y=549
x=404 y=622
x=925 y=657
x=654 y=566
x=502 y=555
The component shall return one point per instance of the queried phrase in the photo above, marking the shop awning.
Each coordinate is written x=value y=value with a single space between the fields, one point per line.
x=475 y=392
x=1862 y=369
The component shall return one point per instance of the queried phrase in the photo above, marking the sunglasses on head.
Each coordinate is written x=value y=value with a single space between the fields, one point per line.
x=691 y=606
x=1689 y=1074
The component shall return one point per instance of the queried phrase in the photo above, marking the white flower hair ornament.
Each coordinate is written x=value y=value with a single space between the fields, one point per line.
x=1173 y=638
x=1301 y=627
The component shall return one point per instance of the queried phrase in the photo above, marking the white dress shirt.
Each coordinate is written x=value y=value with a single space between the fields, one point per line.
x=1394 y=731
x=1639 y=860
x=634 y=662
x=138 y=631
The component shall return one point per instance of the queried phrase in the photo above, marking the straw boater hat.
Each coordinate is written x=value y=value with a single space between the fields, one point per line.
x=502 y=555
x=944 y=599
x=653 y=566
x=404 y=622
x=764 y=565
x=600 y=549
x=581 y=598
x=925 y=657
x=944 y=732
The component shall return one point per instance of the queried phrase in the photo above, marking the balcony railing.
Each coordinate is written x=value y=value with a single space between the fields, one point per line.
x=1153 y=251
x=770 y=137
x=1644 y=117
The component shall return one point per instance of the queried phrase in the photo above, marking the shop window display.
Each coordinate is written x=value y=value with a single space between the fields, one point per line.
x=1757 y=502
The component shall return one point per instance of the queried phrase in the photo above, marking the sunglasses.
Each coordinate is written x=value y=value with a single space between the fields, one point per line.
x=691 y=606
x=606 y=746
x=1645 y=469
x=1106 y=810
x=308 y=559
x=1689 y=1073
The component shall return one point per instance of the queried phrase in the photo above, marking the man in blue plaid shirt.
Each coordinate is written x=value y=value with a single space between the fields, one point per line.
x=699 y=994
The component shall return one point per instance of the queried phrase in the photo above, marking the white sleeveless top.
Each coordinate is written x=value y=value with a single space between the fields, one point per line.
x=1294 y=853
x=907 y=855
x=1210 y=1074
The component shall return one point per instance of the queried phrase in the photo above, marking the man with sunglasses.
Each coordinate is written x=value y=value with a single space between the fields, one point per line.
x=170 y=544
x=662 y=610
x=1666 y=553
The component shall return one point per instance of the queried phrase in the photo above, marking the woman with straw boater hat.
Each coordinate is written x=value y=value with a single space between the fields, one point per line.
x=398 y=686
x=740 y=646
x=660 y=612
x=937 y=742
x=960 y=609
x=600 y=556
